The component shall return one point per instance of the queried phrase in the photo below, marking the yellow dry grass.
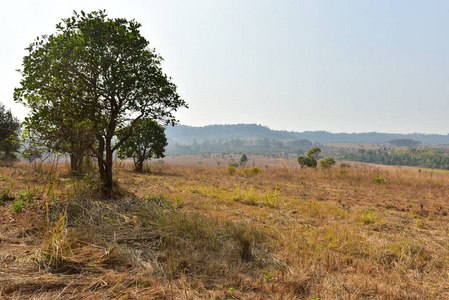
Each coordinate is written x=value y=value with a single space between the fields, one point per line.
x=198 y=232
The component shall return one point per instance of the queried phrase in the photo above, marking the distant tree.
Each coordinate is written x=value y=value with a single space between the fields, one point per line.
x=100 y=74
x=148 y=141
x=305 y=161
x=311 y=160
x=9 y=134
x=243 y=160
x=327 y=163
x=314 y=153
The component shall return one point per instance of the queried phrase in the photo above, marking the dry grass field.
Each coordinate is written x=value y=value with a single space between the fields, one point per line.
x=199 y=232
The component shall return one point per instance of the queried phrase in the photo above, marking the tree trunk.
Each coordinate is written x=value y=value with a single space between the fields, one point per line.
x=76 y=161
x=138 y=165
x=107 y=180
x=102 y=167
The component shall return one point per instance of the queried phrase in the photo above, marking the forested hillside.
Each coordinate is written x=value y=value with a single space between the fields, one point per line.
x=187 y=134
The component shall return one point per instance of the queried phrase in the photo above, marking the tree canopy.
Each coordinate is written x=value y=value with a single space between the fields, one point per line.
x=311 y=160
x=9 y=134
x=91 y=79
x=148 y=141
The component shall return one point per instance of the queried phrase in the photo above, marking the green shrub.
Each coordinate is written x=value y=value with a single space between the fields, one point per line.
x=379 y=179
x=17 y=206
x=327 y=163
x=26 y=196
x=246 y=172
x=231 y=170
x=6 y=195
x=254 y=171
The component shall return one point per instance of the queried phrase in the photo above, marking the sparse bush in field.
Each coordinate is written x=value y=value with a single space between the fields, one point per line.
x=254 y=171
x=370 y=216
x=251 y=172
x=327 y=163
x=5 y=194
x=344 y=166
x=17 y=206
x=379 y=179
x=26 y=196
x=231 y=170
x=246 y=172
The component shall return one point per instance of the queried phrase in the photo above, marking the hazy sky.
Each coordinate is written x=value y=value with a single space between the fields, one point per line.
x=339 y=66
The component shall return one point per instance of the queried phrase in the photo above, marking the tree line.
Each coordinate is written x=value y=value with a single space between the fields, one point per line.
x=428 y=158
x=254 y=146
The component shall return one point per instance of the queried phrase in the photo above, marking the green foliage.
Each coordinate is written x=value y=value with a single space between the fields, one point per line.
x=251 y=172
x=255 y=171
x=9 y=134
x=327 y=163
x=231 y=170
x=32 y=153
x=91 y=79
x=236 y=146
x=26 y=196
x=305 y=161
x=243 y=160
x=314 y=153
x=379 y=179
x=311 y=160
x=18 y=205
x=147 y=141
x=404 y=142
x=429 y=158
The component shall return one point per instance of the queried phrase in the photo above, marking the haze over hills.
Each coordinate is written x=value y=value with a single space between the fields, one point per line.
x=184 y=134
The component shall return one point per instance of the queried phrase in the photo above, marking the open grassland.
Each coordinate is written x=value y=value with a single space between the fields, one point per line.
x=199 y=232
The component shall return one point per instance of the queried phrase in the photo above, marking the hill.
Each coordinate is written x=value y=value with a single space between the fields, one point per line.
x=187 y=134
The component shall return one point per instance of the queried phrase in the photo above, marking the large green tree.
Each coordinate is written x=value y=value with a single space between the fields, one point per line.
x=148 y=141
x=9 y=134
x=89 y=80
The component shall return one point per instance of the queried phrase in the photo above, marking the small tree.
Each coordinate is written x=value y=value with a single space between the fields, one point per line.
x=9 y=134
x=305 y=161
x=327 y=163
x=311 y=159
x=314 y=153
x=243 y=160
x=148 y=141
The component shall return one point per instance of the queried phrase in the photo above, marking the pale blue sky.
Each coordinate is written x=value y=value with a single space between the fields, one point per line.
x=339 y=66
